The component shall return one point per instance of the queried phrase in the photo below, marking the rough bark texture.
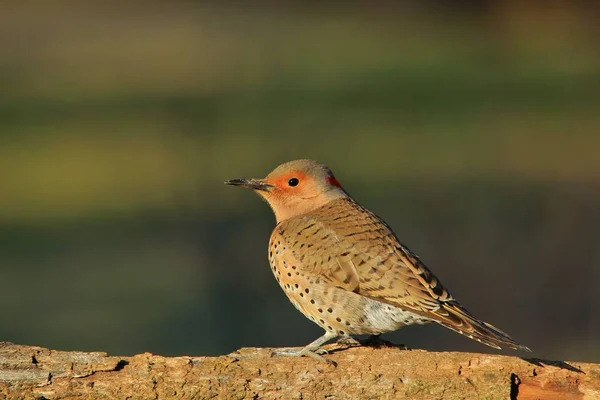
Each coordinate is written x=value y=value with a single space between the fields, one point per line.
x=28 y=372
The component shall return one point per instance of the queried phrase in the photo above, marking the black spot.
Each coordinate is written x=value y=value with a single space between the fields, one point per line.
x=342 y=333
x=306 y=290
x=296 y=285
x=301 y=294
x=329 y=327
x=344 y=254
x=330 y=310
x=312 y=301
x=347 y=323
x=321 y=321
x=320 y=310
x=293 y=267
x=289 y=274
x=338 y=319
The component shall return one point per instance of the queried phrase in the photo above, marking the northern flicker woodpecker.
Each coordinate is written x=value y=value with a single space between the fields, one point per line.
x=344 y=268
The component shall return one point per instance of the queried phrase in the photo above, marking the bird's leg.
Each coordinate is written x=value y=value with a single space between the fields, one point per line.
x=310 y=350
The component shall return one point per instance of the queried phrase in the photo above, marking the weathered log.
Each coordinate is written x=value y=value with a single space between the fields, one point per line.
x=28 y=372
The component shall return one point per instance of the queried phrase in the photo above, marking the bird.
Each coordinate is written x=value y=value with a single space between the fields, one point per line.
x=344 y=268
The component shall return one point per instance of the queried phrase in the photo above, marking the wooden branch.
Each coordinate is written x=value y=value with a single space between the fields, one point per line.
x=28 y=372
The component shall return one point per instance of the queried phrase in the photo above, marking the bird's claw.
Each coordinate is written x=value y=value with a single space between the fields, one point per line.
x=316 y=354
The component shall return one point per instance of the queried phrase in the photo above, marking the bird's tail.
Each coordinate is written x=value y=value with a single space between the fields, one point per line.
x=453 y=316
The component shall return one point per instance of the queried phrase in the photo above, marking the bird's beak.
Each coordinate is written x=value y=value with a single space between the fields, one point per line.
x=255 y=184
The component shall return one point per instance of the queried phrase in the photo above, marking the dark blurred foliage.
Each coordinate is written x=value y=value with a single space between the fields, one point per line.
x=471 y=127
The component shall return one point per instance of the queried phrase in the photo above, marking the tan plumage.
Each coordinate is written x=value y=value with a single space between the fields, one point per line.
x=344 y=268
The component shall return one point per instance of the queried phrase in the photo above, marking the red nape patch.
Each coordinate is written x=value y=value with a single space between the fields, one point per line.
x=332 y=181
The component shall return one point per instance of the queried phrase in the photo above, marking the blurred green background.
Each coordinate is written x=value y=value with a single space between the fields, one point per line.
x=472 y=128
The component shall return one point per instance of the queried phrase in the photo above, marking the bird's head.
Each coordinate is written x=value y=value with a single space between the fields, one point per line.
x=295 y=188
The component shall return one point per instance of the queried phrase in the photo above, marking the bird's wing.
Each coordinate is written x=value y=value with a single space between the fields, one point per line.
x=348 y=246
x=351 y=248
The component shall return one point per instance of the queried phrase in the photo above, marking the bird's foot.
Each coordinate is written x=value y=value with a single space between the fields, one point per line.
x=313 y=349
x=305 y=352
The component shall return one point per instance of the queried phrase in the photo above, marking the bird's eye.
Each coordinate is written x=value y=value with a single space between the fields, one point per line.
x=293 y=182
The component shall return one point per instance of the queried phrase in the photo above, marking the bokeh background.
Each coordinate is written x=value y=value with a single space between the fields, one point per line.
x=471 y=127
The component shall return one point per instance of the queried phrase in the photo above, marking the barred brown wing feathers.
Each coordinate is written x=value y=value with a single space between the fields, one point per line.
x=350 y=247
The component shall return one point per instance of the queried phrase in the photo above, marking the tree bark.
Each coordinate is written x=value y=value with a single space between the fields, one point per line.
x=28 y=372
